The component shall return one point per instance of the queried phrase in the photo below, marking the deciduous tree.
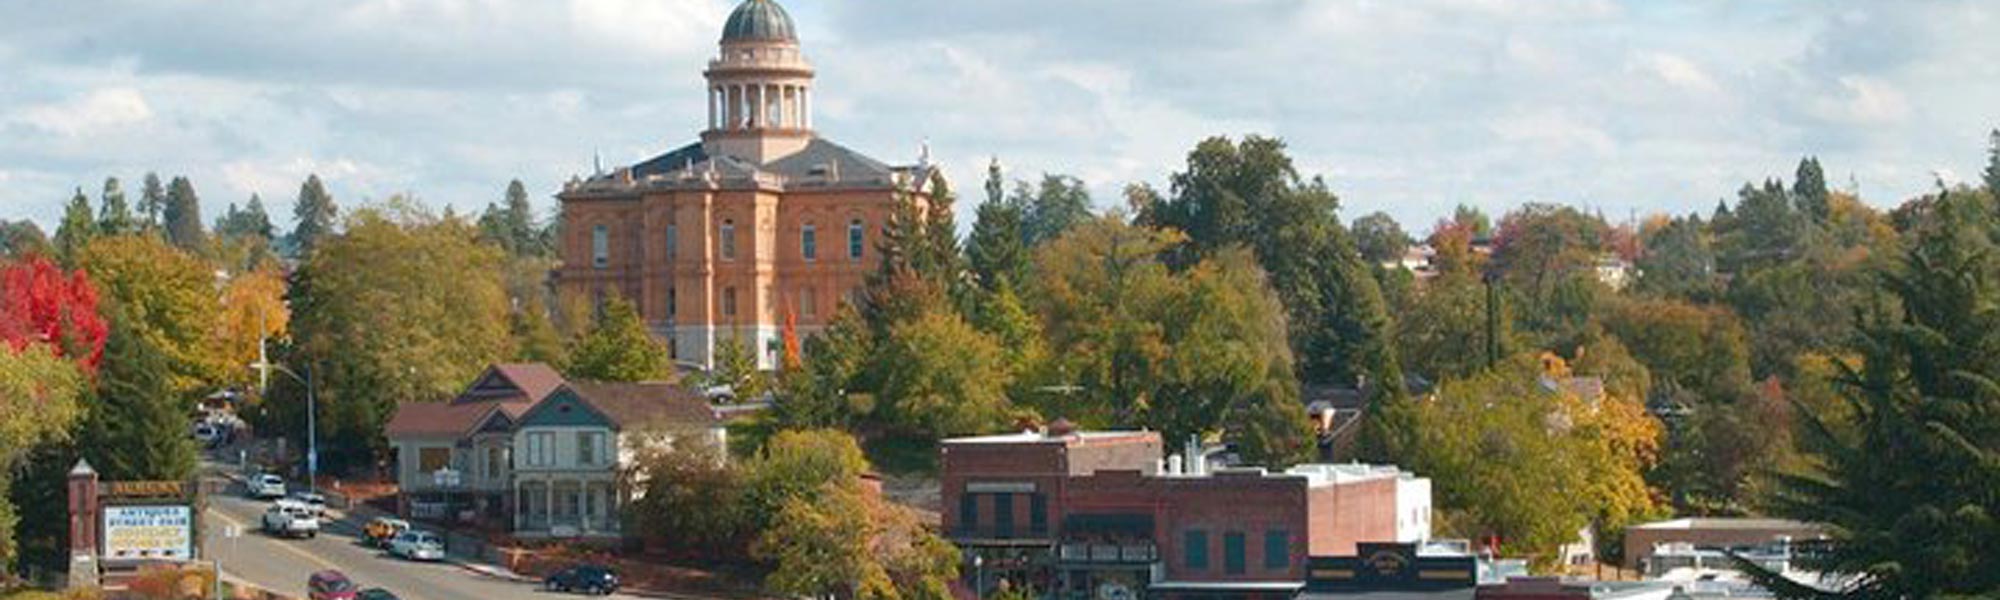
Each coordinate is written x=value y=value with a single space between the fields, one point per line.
x=617 y=347
x=170 y=302
x=40 y=303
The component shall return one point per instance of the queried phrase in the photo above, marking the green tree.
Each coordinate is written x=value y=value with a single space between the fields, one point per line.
x=1057 y=204
x=819 y=547
x=1809 y=191
x=20 y=239
x=1993 y=163
x=169 y=302
x=736 y=368
x=942 y=377
x=535 y=336
x=114 y=216
x=76 y=230
x=693 y=498
x=40 y=396
x=511 y=224
x=137 y=423
x=1679 y=261
x=1134 y=344
x=405 y=306
x=152 y=202
x=1379 y=238
x=997 y=248
x=1908 y=488
x=1475 y=221
x=182 y=216
x=1540 y=466
x=315 y=215
x=617 y=347
x=1443 y=335
x=1250 y=194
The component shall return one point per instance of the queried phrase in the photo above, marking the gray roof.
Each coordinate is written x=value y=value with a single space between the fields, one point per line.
x=820 y=158
x=759 y=20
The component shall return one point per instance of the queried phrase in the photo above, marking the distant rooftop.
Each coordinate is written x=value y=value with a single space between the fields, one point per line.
x=1035 y=437
x=1727 y=523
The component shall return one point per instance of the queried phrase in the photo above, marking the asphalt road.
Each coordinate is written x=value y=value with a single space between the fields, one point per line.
x=282 y=565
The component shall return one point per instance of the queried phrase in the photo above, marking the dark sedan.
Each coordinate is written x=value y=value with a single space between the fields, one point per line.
x=588 y=579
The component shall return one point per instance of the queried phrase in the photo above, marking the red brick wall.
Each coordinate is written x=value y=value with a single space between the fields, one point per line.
x=1345 y=514
x=1037 y=463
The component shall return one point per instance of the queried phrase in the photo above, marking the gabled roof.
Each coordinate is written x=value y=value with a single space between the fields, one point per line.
x=628 y=405
x=507 y=388
x=437 y=419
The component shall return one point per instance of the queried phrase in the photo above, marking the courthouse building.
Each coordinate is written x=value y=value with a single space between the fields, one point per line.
x=759 y=223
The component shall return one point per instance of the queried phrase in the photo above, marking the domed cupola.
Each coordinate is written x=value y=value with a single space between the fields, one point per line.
x=759 y=87
x=759 y=20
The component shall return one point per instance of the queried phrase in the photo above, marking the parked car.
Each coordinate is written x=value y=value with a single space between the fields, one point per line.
x=417 y=545
x=292 y=519
x=313 y=501
x=381 y=530
x=330 y=585
x=375 y=594
x=266 y=486
x=584 y=578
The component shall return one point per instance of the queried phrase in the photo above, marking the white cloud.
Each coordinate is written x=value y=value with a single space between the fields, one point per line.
x=1680 y=72
x=92 y=113
x=1865 y=100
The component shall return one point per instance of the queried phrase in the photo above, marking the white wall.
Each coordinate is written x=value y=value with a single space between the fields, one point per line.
x=1413 y=509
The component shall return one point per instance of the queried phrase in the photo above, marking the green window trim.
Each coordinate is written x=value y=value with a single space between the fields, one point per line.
x=1277 y=550
x=1195 y=547
x=1232 y=553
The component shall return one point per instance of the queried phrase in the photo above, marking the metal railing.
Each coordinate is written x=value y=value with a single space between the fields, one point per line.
x=1108 y=553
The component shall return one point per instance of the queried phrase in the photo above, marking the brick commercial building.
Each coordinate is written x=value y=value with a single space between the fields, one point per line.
x=1711 y=532
x=1104 y=515
x=760 y=223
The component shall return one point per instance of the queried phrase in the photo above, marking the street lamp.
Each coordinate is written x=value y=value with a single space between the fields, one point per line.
x=264 y=367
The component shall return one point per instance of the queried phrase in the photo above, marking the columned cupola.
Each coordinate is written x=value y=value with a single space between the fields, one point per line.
x=759 y=88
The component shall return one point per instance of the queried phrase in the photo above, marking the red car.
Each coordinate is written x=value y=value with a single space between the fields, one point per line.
x=330 y=585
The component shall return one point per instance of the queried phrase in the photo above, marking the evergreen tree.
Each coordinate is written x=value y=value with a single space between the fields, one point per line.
x=521 y=222
x=314 y=213
x=114 y=217
x=995 y=249
x=1059 y=203
x=23 y=238
x=137 y=425
x=1911 y=479
x=1993 y=163
x=617 y=347
x=182 y=216
x=1809 y=190
x=152 y=202
x=535 y=337
x=77 y=228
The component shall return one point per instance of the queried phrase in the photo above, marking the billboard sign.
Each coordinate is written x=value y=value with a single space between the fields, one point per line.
x=159 y=532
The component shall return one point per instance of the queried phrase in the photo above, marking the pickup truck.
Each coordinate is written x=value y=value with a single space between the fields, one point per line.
x=291 y=519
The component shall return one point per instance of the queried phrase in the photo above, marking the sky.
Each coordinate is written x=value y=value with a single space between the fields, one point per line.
x=1404 y=106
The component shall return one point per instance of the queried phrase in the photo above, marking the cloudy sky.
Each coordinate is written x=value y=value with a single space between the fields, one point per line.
x=1405 y=106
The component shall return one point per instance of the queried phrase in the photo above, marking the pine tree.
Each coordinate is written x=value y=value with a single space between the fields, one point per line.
x=152 y=201
x=1809 y=190
x=995 y=250
x=520 y=222
x=1993 y=163
x=137 y=426
x=77 y=228
x=182 y=216
x=314 y=213
x=257 y=222
x=114 y=217
x=617 y=347
x=1909 y=479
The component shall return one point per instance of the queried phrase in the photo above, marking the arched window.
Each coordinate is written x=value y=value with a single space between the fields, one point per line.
x=809 y=243
x=728 y=240
x=856 y=238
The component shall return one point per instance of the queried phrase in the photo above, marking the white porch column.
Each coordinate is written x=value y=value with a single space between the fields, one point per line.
x=806 y=104
x=710 y=96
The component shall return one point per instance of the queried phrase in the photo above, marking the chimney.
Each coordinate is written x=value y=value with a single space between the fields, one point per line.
x=1174 y=465
x=1197 y=462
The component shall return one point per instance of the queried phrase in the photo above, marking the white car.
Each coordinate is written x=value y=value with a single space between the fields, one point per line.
x=266 y=486
x=290 y=519
x=312 y=501
x=417 y=545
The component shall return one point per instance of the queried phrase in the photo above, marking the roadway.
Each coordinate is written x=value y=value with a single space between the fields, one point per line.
x=282 y=565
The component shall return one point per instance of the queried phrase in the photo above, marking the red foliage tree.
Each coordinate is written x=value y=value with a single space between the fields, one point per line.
x=39 y=302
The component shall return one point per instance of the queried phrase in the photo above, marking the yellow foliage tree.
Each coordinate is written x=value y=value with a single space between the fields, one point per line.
x=253 y=308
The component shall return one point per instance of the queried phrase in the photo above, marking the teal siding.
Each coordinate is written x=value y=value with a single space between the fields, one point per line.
x=564 y=409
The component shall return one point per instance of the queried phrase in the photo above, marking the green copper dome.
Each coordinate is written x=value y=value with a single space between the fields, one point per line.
x=759 y=20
